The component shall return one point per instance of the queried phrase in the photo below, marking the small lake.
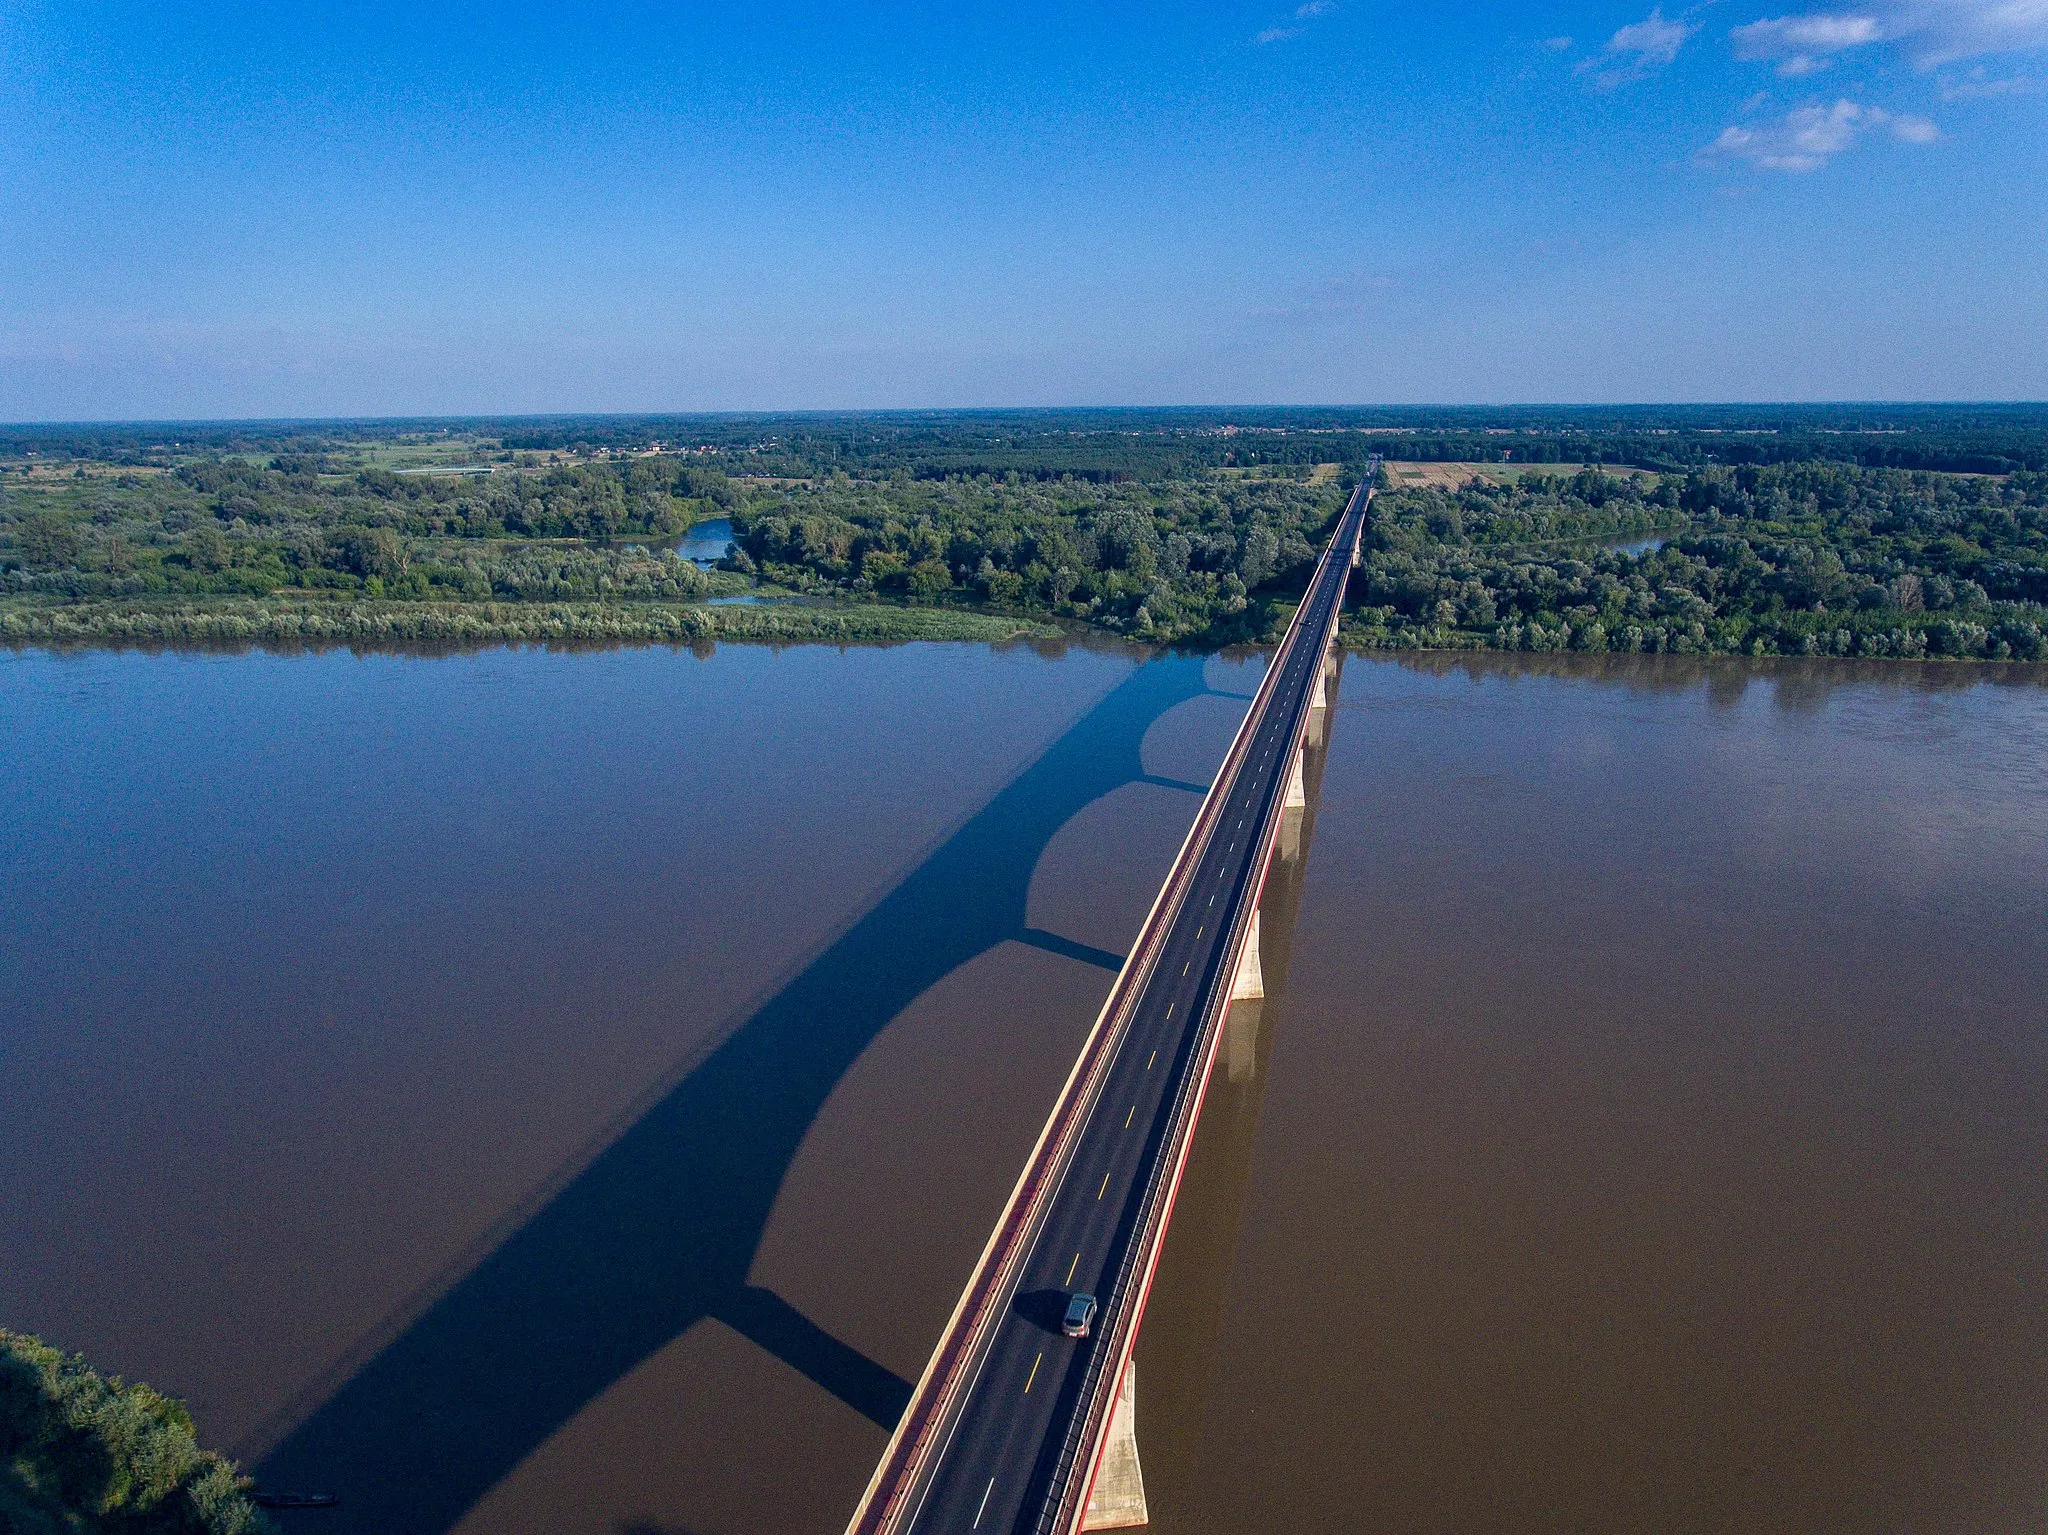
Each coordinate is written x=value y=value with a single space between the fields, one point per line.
x=707 y=542
x=536 y=1090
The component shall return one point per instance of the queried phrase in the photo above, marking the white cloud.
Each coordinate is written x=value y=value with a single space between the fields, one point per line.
x=1803 y=44
x=1308 y=10
x=1936 y=32
x=1655 y=40
x=1804 y=34
x=1980 y=85
x=1557 y=44
x=1638 y=48
x=1807 y=138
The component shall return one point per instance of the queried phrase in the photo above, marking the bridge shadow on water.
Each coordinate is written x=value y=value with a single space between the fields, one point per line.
x=659 y=1232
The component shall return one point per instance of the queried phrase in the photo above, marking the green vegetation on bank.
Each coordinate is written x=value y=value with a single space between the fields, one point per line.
x=381 y=625
x=1804 y=559
x=1784 y=532
x=82 y=1454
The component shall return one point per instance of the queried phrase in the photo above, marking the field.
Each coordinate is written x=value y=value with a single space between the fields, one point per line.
x=1451 y=476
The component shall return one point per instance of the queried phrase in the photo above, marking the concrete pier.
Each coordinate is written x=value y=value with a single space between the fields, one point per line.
x=1117 y=1500
x=1251 y=976
x=1240 y=1051
x=1297 y=789
x=1290 y=836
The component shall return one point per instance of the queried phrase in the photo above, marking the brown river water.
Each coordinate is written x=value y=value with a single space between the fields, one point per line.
x=537 y=1091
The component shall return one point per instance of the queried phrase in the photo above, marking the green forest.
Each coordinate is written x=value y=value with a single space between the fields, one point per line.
x=1815 y=531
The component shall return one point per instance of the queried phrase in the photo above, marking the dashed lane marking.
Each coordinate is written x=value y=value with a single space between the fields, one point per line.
x=1034 y=1371
x=984 y=1503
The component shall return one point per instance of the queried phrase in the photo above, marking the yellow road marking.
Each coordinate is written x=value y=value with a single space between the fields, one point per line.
x=1150 y=1059
x=1130 y=1116
x=1070 y=1269
x=1034 y=1371
x=1105 y=1186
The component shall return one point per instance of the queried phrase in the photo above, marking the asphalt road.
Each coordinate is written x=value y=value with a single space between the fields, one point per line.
x=1001 y=1457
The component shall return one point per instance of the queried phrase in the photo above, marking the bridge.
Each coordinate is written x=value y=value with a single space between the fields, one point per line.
x=1014 y=1426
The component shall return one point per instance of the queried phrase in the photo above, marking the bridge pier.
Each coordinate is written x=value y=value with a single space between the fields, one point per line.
x=1297 y=787
x=1251 y=976
x=1117 y=1500
x=1241 y=1041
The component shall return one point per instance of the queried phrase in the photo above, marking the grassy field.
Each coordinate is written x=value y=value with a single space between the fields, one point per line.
x=1449 y=476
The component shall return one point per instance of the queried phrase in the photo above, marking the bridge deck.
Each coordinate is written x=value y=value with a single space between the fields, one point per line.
x=1003 y=1431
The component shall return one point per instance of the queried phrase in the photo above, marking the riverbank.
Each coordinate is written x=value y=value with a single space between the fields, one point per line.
x=261 y=621
x=258 y=621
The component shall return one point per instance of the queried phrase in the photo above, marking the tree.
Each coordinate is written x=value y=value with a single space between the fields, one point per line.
x=1261 y=549
x=205 y=549
x=80 y=1451
x=44 y=542
x=367 y=552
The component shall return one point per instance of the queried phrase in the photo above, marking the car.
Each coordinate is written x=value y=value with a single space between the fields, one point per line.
x=1080 y=1316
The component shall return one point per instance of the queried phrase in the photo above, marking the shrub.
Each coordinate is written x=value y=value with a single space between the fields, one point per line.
x=82 y=1452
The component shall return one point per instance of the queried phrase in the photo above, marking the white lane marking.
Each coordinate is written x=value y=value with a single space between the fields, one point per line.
x=984 y=1503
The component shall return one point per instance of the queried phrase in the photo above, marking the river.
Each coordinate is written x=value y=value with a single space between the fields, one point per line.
x=529 y=1089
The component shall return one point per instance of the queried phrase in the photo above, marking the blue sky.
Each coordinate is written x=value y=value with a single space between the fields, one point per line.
x=223 y=209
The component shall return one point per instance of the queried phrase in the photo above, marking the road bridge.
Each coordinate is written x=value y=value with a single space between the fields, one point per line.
x=1010 y=1427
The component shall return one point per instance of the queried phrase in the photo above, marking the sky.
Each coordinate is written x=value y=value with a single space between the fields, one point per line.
x=221 y=209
